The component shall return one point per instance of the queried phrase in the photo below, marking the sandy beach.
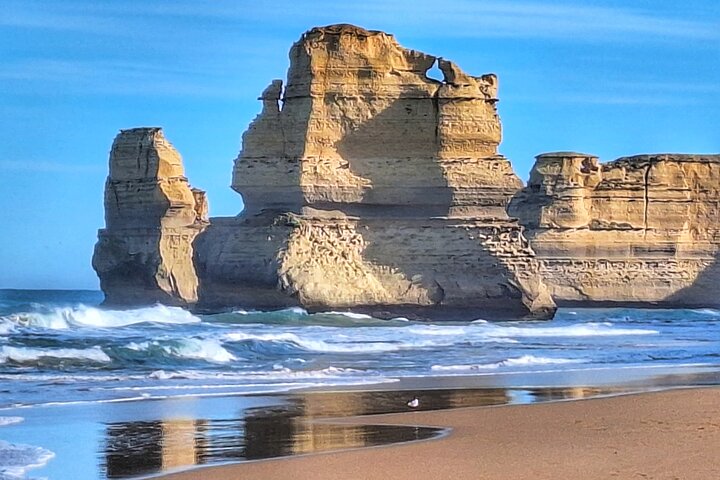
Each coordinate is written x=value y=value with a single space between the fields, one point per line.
x=663 y=435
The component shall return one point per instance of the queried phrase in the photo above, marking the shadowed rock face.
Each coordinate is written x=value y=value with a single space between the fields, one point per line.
x=145 y=253
x=370 y=186
x=641 y=229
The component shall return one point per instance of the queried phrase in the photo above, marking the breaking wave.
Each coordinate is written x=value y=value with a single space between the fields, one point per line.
x=208 y=350
x=48 y=357
x=63 y=318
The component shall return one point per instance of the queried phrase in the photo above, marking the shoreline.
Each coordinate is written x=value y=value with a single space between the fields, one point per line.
x=672 y=433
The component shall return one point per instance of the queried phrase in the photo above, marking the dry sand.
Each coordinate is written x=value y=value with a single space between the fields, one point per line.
x=665 y=435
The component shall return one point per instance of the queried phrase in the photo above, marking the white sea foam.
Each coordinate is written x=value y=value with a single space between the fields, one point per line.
x=603 y=329
x=6 y=327
x=26 y=355
x=480 y=330
x=355 y=316
x=438 y=330
x=278 y=373
x=291 y=310
x=329 y=372
x=524 y=361
x=708 y=311
x=296 y=310
x=4 y=421
x=315 y=345
x=209 y=350
x=17 y=459
x=85 y=316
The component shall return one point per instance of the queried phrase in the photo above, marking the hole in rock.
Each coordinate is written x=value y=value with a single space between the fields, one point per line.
x=434 y=73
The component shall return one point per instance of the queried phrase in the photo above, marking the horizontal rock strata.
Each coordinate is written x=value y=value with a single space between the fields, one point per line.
x=637 y=230
x=370 y=186
x=152 y=216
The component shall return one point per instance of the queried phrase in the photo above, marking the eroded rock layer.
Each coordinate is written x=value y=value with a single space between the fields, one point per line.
x=369 y=185
x=642 y=229
x=361 y=125
x=152 y=216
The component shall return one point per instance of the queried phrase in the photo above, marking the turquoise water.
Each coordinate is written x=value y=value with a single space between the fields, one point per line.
x=60 y=348
x=64 y=341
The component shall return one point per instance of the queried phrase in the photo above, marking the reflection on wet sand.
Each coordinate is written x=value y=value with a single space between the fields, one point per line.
x=291 y=428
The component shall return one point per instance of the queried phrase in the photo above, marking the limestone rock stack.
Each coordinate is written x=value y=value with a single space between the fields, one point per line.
x=152 y=216
x=369 y=185
x=637 y=230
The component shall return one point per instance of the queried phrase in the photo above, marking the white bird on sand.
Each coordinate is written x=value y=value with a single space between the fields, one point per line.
x=414 y=403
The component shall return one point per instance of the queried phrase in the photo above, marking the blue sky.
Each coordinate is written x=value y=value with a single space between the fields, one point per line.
x=607 y=77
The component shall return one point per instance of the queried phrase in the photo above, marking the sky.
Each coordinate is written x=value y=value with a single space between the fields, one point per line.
x=606 y=77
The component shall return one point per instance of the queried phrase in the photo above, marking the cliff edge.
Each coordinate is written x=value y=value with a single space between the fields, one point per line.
x=636 y=230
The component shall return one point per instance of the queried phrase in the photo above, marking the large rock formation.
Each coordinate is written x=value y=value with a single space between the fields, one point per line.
x=152 y=216
x=370 y=186
x=638 y=230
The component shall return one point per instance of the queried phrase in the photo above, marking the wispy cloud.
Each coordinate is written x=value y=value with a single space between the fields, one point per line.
x=453 y=18
x=631 y=94
x=50 y=167
x=607 y=99
x=118 y=77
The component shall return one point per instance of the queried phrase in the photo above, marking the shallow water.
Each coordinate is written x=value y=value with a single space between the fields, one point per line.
x=60 y=348
x=133 y=439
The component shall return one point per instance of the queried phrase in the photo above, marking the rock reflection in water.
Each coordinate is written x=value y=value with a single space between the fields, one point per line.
x=291 y=428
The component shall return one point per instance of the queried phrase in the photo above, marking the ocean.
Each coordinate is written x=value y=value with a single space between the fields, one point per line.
x=62 y=355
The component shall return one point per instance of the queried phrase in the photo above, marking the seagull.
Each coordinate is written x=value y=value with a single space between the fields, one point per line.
x=414 y=403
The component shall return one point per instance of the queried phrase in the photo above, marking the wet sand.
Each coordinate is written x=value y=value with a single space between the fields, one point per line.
x=664 y=435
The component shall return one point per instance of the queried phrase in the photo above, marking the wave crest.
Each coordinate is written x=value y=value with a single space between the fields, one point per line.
x=63 y=318
x=36 y=356
x=188 y=348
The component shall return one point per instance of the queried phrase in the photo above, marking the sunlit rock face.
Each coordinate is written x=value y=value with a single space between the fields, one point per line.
x=641 y=229
x=369 y=185
x=361 y=125
x=152 y=216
